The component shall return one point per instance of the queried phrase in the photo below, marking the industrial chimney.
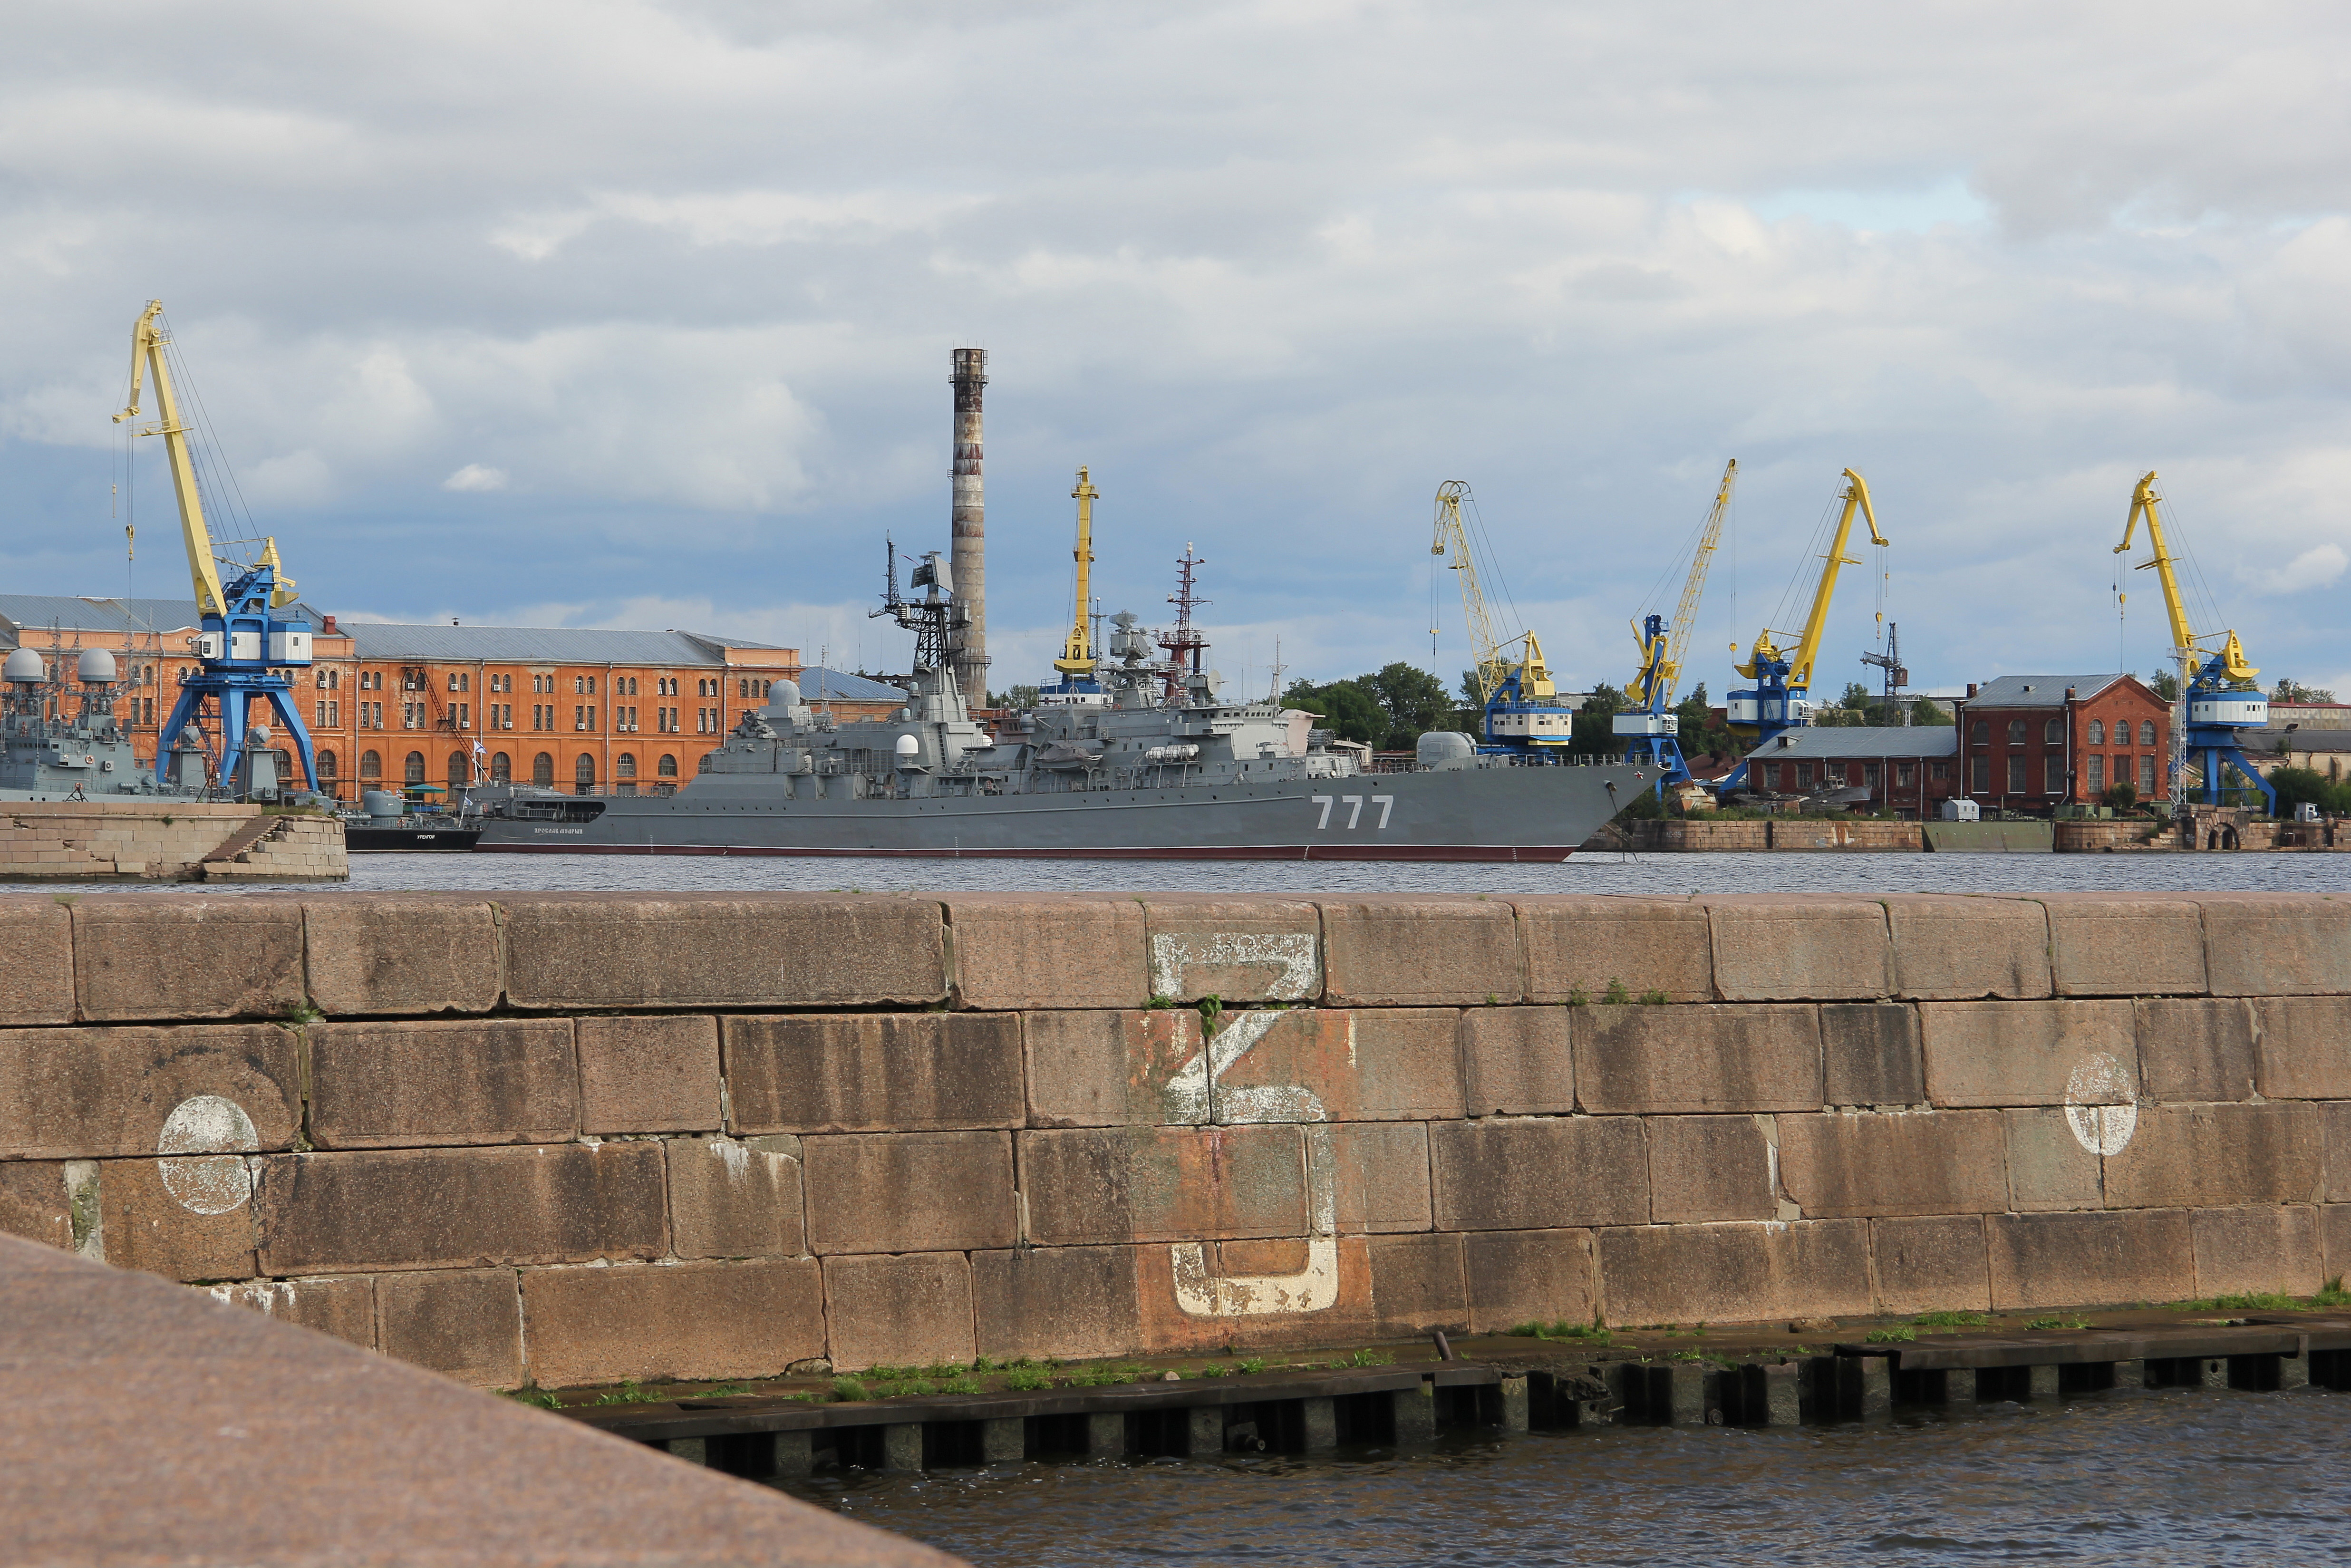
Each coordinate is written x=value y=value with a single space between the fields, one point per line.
x=968 y=642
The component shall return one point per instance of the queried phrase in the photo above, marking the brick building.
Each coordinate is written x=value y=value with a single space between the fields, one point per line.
x=390 y=705
x=1908 y=770
x=2031 y=743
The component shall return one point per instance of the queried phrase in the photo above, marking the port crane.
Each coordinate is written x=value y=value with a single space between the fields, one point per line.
x=244 y=645
x=1652 y=728
x=2215 y=681
x=1522 y=712
x=1078 y=663
x=1783 y=675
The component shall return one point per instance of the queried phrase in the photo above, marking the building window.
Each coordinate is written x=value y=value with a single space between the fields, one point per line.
x=2016 y=732
x=2016 y=773
x=1906 y=775
x=501 y=767
x=583 y=774
x=371 y=765
x=1803 y=775
x=2147 y=732
x=624 y=773
x=412 y=769
x=327 y=765
x=542 y=768
x=2053 y=773
x=703 y=765
x=667 y=767
x=2147 y=776
x=1939 y=769
x=1980 y=732
x=2095 y=778
x=461 y=772
x=2098 y=732
x=2053 y=732
x=1870 y=774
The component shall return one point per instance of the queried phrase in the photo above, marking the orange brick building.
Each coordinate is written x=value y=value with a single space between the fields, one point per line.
x=391 y=706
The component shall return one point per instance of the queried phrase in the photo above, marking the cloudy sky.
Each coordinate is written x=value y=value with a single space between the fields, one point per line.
x=599 y=313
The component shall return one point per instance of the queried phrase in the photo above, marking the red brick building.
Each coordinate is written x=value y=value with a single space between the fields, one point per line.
x=2031 y=743
x=1906 y=771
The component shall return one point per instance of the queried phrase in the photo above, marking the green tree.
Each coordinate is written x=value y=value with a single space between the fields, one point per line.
x=1353 y=713
x=1926 y=713
x=1415 y=701
x=2295 y=785
x=2292 y=691
x=2165 y=686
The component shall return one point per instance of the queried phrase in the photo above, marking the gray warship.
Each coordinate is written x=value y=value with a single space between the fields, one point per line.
x=49 y=754
x=1145 y=761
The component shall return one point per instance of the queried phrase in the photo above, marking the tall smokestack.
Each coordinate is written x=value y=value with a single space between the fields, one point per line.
x=968 y=645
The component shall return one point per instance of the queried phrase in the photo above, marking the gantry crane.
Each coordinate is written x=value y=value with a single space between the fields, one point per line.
x=1652 y=728
x=1522 y=711
x=2221 y=693
x=1078 y=663
x=242 y=645
x=1784 y=678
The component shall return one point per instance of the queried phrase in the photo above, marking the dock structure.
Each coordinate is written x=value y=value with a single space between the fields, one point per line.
x=1638 y=1381
x=557 y=1141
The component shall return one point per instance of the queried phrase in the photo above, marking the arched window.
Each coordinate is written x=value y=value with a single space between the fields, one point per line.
x=624 y=773
x=1981 y=732
x=542 y=768
x=583 y=773
x=370 y=764
x=327 y=766
x=411 y=768
x=703 y=765
x=2147 y=732
x=667 y=766
x=2098 y=732
x=460 y=770
x=501 y=767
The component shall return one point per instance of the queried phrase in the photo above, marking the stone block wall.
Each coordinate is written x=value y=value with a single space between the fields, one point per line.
x=165 y=841
x=569 y=1139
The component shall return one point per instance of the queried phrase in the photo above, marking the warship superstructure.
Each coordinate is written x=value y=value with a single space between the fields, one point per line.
x=48 y=753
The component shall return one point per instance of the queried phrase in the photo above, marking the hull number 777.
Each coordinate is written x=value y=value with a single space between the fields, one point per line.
x=1354 y=804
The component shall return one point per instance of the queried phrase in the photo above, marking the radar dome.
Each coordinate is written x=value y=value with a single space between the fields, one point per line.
x=23 y=665
x=97 y=667
x=784 y=694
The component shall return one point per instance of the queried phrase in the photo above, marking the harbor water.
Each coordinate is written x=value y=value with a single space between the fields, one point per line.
x=2128 y=1478
x=1846 y=871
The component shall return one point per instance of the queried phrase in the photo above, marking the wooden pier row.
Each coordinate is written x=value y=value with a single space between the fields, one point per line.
x=557 y=1141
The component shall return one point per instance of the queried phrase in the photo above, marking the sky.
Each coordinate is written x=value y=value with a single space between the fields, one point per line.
x=621 y=314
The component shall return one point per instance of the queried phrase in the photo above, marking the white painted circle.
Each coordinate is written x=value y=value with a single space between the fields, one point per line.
x=207 y=1125
x=2101 y=1105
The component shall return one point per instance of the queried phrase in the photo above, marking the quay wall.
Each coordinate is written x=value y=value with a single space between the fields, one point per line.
x=165 y=841
x=574 y=1139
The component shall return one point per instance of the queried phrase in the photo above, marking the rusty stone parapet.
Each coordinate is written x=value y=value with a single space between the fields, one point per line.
x=569 y=1139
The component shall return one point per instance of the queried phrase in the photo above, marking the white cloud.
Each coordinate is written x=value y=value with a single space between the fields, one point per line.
x=476 y=476
x=688 y=272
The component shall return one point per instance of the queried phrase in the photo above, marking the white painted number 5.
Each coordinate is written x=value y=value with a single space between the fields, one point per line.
x=1323 y=801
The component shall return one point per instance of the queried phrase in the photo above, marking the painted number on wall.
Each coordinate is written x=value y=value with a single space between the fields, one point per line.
x=1354 y=804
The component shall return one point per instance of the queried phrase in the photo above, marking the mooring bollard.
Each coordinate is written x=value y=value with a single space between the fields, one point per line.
x=1782 y=1400
x=795 y=1453
x=2294 y=1371
x=2215 y=1371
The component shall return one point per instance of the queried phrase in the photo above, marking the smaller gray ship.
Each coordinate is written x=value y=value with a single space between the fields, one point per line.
x=48 y=753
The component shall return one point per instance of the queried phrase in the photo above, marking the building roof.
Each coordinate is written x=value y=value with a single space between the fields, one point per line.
x=2039 y=691
x=820 y=685
x=2259 y=743
x=389 y=641
x=28 y=613
x=1809 y=742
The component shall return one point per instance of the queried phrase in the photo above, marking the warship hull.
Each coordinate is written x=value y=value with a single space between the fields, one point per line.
x=1492 y=814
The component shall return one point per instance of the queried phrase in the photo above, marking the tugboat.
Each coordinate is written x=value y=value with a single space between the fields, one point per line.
x=409 y=823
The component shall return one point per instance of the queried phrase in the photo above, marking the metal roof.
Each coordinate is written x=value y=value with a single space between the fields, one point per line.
x=819 y=684
x=2259 y=743
x=388 y=641
x=27 y=613
x=2039 y=691
x=1810 y=741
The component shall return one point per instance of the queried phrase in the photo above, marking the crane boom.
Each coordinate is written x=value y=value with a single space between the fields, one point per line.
x=2146 y=502
x=1519 y=699
x=1856 y=497
x=1077 y=661
x=1485 y=649
x=147 y=340
x=1660 y=673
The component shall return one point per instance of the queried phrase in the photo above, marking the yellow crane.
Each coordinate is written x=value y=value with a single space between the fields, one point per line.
x=1764 y=650
x=1078 y=662
x=1518 y=695
x=243 y=648
x=1651 y=728
x=2220 y=694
